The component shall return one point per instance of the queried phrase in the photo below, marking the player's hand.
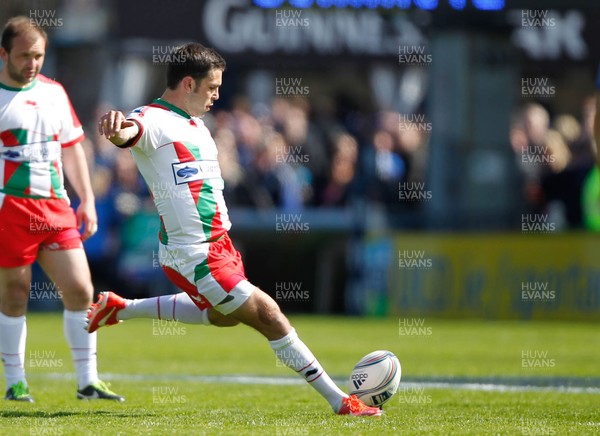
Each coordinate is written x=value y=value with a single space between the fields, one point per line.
x=86 y=216
x=116 y=128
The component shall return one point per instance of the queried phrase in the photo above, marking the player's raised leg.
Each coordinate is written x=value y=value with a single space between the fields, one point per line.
x=69 y=270
x=111 y=309
x=14 y=295
x=261 y=312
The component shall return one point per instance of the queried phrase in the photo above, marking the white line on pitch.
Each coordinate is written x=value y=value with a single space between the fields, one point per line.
x=270 y=380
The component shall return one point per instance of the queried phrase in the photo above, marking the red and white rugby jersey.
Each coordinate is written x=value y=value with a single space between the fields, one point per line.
x=36 y=122
x=177 y=157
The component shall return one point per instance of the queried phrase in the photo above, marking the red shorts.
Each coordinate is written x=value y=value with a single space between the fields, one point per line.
x=28 y=225
x=212 y=273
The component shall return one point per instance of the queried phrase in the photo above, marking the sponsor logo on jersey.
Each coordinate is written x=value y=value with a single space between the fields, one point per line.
x=34 y=152
x=186 y=172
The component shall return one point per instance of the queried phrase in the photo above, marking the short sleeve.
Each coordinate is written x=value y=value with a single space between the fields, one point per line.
x=71 y=132
x=147 y=137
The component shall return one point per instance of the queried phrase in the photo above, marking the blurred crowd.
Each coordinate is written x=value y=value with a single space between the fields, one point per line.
x=555 y=156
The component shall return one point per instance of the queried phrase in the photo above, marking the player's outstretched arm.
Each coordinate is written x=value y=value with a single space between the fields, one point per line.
x=116 y=128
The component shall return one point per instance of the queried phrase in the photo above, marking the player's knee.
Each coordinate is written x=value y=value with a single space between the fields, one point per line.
x=79 y=295
x=15 y=296
x=17 y=288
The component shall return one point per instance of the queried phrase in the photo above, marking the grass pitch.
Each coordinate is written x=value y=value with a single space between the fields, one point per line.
x=171 y=375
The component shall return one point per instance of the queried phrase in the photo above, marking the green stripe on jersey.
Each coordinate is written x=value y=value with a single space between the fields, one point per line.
x=20 y=135
x=201 y=270
x=163 y=237
x=207 y=207
x=172 y=107
x=19 y=181
x=194 y=149
x=55 y=181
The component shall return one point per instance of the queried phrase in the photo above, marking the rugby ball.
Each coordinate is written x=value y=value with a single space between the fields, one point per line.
x=375 y=378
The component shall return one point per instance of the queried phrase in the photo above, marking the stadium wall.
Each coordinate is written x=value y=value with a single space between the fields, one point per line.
x=499 y=276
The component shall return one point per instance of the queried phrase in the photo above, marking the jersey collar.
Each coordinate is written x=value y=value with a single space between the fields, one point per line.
x=26 y=88
x=160 y=102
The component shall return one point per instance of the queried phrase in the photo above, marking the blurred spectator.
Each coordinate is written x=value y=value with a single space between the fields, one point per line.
x=584 y=147
x=557 y=151
x=275 y=175
x=554 y=157
x=229 y=161
x=528 y=139
x=554 y=183
x=569 y=157
x=413 y=149
x=249 y=134
x=304 y=139
x=336 y=189
x=383 y=169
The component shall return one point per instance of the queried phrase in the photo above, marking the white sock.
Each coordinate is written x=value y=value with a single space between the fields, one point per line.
x=83 y=347
x=175 y=307
x=294 y=354
x=13 y=334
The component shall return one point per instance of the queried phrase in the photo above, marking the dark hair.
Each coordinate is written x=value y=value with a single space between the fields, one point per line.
x=192 y=59
x=18 y=26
